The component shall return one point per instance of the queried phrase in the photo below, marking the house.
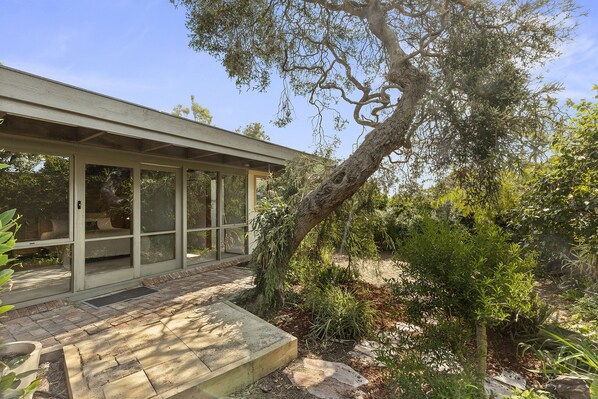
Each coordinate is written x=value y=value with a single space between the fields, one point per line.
x=110 y=192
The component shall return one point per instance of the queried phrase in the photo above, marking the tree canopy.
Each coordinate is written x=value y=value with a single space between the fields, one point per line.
x=560 y=205
x=449 y=80
x=200 y=114
x=254 y=130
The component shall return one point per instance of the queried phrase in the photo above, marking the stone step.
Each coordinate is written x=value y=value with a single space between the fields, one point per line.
x=210 y=351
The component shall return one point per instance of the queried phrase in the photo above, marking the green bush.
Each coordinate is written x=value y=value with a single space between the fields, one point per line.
x=403 y=215
x=560 y=206
x=473 y=276
x=432 y=363
x=338 y=314
x=274 y=225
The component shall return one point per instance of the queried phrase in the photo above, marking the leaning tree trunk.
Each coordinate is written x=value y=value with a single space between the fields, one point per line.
x=349 y=176
x=379 y=143
x=344 y=181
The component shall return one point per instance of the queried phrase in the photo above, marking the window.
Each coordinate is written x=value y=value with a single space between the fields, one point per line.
x=234 y=241
x=202 y=217
x=38 y=187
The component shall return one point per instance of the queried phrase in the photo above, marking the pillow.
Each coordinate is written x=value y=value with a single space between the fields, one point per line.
x=104 y=223
x=60 y=226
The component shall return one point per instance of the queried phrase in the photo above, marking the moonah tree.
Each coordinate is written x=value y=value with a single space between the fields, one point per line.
x=446 y=78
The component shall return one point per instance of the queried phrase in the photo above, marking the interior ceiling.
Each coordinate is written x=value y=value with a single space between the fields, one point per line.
x=20 y=126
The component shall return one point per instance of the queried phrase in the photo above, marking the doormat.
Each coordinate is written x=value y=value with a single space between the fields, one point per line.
x=119 y=296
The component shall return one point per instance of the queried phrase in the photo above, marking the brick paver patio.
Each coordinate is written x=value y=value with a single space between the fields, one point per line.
x=61 y=323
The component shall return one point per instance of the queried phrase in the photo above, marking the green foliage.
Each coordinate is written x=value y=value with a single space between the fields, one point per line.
x=338 y=314
x=9 y=380
x=274 y=225
x=254 y=130
x=560 y=206
x=486 y=108
x=530 y=394
x=46 y=176
x=200 y=114
x=479 y=276
x=582 y=265
x=7 y=242
x=567 y=354
x=402 y=215
x=431 y=363
x=359 y=224
x=587 y=307
x=354 y=227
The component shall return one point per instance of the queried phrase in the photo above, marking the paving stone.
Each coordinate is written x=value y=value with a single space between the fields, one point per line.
x=176 y=372
x=155 y=345
x=338 y=371
x=112 y=374
x=92 y=368
x=325 y=380
x=135 y=385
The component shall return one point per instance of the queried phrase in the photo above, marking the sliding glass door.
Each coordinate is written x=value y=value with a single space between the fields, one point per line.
x=109 y=196
x=159 y=216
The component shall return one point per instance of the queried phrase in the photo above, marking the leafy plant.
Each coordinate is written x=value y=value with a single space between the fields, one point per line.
x=582 y=265
x=531 y=394
x=9 y=380
x=477 y=277
x=338 y=314
x=429 y=363
x=7 y=242
x=560 y=206
x=587 y=307
x=568 y=354
x=270 y=261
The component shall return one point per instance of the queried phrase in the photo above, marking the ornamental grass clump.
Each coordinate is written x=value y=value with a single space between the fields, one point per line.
x=337 y=314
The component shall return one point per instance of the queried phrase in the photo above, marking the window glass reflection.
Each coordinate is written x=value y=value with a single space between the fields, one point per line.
x=43 y=272
x=235 y=242
x=38 y=187
x=108 y=201
x=158 y=201
x=201 y=199
x=201 y=247
x=235 y=199
x=157 y=248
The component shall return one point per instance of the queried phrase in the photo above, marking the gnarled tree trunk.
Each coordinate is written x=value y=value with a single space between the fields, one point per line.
x=355 y=170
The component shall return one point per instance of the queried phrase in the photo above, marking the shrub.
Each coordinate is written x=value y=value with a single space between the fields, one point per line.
x=274 y=225
x=431 y=363
x=338 y=314
x=478 y=278
x=474 y=276
x=560 y=206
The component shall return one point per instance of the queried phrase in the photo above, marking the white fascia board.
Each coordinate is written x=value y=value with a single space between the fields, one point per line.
x=39 y=98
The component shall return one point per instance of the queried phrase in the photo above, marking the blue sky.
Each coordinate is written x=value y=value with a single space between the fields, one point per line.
x=138 y=51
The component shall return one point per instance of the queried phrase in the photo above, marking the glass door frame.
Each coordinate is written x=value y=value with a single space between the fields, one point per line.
x=172 y=264
x=85 y=281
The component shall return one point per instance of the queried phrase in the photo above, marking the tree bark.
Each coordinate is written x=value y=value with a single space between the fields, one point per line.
x=482 y=353
x=355 y=170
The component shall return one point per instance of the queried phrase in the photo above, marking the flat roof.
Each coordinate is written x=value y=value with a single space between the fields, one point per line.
x=43 y=108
